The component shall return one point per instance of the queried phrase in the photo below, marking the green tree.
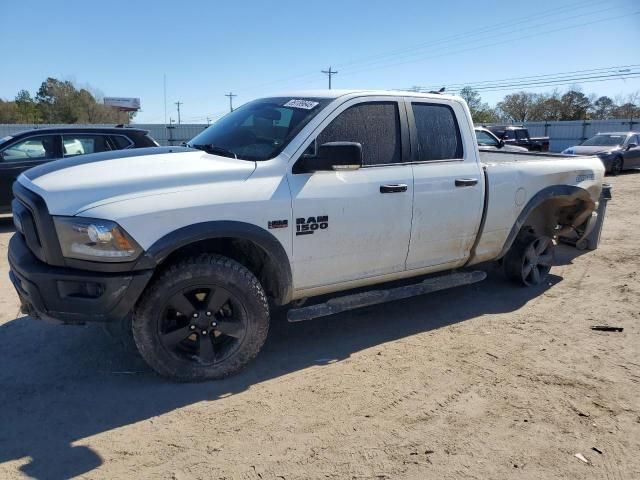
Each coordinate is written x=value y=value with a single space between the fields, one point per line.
x=517 y=107
x=480 y=112
x=575 y=106
x=26 y=107
x=603 y=108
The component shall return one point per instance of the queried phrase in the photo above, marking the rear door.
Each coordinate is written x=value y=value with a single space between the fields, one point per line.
x=21 y=155
x=351 y=225
x=448 y=185
x=84 y=143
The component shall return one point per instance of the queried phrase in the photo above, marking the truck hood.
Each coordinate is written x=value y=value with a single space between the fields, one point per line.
x=73 y=185
x=590 y=150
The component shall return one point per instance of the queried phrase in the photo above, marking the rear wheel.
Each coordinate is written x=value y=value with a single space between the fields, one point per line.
x=204 y=318
x=529 y=260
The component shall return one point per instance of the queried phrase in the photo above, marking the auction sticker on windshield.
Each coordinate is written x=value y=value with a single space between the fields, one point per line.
x=304 y=104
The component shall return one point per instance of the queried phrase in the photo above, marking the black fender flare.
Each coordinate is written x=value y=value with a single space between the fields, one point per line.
x=196 y=232
x=553 y=191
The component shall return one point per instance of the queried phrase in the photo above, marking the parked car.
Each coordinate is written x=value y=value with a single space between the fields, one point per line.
x=519 y=135
x=488 y=141
x=617 y=150
x=285 y=199
x=28 y=149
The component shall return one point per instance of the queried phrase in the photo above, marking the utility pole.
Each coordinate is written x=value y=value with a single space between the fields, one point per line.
x=178 y=103
x=230 y=95
x=208 y=121
x=329 y=73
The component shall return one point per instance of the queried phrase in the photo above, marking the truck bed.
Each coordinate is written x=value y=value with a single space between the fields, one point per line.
x=497 y=156
x=514 y=178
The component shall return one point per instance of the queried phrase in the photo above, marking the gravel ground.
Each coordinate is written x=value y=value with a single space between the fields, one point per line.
x=486 y=381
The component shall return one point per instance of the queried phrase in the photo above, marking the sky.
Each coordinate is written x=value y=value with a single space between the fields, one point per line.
x=206 y=49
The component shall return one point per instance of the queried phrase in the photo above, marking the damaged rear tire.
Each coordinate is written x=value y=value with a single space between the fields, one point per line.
x=529 y=260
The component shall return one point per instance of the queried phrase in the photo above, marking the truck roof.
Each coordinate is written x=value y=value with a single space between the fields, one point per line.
x=325 y=93
x=618 y=133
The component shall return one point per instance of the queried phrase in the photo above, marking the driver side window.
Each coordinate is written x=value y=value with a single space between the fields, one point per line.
x=40 y=147
x=375 y=125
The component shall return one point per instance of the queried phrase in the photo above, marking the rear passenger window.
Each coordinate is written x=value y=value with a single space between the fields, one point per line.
x=521 y=135
x=121 y=142
x=81 y=144
x=376 y=126
x=438 y=132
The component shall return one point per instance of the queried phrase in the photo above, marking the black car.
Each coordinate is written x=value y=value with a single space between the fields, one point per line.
x=519 y=135
x=28 y=149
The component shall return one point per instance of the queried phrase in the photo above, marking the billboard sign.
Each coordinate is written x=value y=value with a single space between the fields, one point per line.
x=123 y=103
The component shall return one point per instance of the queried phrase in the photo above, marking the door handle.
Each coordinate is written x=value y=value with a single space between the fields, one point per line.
x=466 y=182
x=396 y=188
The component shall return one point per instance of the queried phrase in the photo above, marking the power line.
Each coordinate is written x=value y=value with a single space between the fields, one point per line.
x=230 y=95
x=483 y=46
x=329 y=73
x=556 y=82
x=448 y=39
x=450 y=86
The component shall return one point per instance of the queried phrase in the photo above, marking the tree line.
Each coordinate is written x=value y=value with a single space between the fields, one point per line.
x=58 y=101
x=571 y=105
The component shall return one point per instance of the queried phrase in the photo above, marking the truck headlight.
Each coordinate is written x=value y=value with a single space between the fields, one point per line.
x=94 y=239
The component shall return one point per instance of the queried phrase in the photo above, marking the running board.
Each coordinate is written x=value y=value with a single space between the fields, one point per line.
x=374 y=297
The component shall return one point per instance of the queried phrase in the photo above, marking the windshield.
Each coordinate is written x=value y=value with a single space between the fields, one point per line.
x=604 y=140
x=259 y=130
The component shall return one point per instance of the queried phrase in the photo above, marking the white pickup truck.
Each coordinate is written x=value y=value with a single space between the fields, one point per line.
x=285 y=199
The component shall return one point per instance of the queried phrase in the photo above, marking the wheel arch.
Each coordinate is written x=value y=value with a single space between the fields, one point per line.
x=253 y=246
x=565 y=205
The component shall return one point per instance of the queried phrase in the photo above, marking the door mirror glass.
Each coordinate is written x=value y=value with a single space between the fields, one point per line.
x=332 y=156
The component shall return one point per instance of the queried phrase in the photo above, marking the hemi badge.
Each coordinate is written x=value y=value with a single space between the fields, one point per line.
x=278 y=224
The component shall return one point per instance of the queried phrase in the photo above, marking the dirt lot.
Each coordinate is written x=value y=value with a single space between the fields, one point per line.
x=487 y=381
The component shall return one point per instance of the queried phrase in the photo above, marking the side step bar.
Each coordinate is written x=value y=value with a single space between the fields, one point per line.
x=374 y=297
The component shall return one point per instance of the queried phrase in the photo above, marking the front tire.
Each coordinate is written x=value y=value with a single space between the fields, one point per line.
x=617 y=165
x=203 y=318
x=529 y=260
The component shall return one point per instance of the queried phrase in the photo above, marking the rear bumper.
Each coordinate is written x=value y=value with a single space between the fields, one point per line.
x=68 y=295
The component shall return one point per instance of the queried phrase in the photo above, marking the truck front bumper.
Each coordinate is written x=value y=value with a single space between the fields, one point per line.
x=68 y=295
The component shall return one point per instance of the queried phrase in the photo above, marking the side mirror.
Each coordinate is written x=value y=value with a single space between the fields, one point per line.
x=332 y=156
x=501 y=144
x=632 y=145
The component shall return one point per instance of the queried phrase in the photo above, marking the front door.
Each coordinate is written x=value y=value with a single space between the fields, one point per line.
x=355 y=224
x=632 y=155
x=22 y=155
x=448 y=186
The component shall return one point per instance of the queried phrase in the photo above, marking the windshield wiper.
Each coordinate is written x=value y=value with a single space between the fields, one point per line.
x=214 y=150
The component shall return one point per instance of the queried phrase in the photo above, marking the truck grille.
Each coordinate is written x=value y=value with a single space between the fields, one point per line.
x=23 y=219
x=34 y=223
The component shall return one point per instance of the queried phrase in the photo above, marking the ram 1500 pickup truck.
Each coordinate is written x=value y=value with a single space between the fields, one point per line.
x=285 y=199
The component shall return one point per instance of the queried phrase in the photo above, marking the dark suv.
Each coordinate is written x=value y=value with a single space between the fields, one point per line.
x=24 y=150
